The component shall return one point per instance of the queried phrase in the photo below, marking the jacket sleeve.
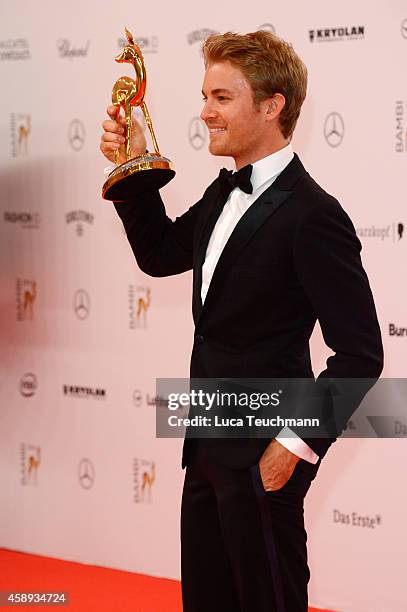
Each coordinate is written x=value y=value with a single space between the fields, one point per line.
x=162 y=247
x=329 y=267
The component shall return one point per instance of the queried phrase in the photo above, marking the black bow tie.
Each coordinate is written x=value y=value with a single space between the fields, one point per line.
x=229 y=180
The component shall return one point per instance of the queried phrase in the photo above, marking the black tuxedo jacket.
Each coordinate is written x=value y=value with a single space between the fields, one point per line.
x=293 y=258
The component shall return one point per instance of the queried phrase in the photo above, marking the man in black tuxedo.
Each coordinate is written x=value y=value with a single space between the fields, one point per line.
x=271 y=253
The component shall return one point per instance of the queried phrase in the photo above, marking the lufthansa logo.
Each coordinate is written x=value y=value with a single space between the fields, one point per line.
x=137 y=398
x=76 y=134
x=404 y=28
x=334 y=129
x=86 y=474
x=268 y=27
x=81 y=304
x=28 y=385
x=196 y=133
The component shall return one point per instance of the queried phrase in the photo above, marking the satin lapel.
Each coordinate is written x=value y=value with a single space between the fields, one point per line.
x=261 y=210
x=203 y=240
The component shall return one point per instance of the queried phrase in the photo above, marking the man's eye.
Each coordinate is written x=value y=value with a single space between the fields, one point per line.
x=222 y=98
x=204 y=99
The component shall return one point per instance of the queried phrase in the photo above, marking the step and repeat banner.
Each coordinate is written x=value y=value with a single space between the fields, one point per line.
x=85 y=333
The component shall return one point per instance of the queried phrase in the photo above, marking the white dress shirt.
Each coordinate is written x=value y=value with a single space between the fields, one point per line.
x=264 y=173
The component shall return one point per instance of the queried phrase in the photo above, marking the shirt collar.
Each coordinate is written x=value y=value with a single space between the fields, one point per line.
x=272 y=165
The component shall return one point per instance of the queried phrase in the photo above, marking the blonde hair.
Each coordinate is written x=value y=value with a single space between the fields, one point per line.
x=269 y=64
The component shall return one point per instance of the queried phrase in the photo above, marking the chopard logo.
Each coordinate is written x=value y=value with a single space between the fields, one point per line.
x=14 y=49
x=196 y=133
x=67 y=50
x=79 y=217
x=334 y=129
x=337 y=34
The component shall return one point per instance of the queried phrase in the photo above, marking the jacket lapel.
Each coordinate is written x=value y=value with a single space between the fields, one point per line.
x=265 y=206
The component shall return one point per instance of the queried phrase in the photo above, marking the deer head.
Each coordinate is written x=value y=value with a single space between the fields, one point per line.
x=130 y=51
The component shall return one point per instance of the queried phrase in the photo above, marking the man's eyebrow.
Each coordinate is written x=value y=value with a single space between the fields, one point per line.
x=217 y=91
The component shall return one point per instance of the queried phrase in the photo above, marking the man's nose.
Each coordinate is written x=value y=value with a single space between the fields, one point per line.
x=207 y=111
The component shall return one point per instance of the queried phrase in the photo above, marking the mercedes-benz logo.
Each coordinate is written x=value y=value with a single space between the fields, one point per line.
x=81 y=304
x=28 y=385
x=404 y=28
x=334 y=129
x=268 y=27
x=76 y=134
x=137 y=398
x=86 y=473
x=196 y=133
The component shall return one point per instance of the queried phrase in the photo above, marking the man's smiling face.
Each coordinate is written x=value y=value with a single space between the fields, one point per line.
x=236 y=126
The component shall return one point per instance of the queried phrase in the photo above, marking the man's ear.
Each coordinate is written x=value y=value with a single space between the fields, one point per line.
x=273 y=106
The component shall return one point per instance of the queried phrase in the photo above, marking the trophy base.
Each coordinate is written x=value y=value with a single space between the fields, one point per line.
x=140 y=173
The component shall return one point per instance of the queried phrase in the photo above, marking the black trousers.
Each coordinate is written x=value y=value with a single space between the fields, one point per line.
x=243 y=549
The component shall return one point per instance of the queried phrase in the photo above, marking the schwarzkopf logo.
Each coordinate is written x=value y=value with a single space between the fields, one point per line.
x=404 y=28
x=143 y=479
x=28 y=384
x=26 y=293
x=81 y=304
x=199 y=35
x=86 y=473
x=79 y=217
x=147 y=44
x=76 y=134
x=30 y=460
x=401 y=126
x=139 y=304
x=26 y=220
x=354 y=519
x=84 y=392
x=337 y=34
x=14 y=49
x=394 y=330
x=196 y=133
x=20 y=126
x=393 y=231
x=67 y=50
x=334 y=129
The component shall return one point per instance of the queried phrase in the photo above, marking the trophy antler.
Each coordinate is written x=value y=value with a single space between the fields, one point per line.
x=129 y=36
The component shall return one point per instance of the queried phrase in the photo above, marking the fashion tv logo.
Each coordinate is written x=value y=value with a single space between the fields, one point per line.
x=144 y=476
x=20 y=128
x=147 y=44
x=81 y=304
x=354 y=519
x=84 y=392
x=334 y=129
x=395 y=330
x=198 y=36
x=28 y=385
x=26 y=293
x=14 y=49
x=30 y=460
x=76 y=134
x=196 y=133
x=86 y=473
x=66 y=50
x=26 y=220
x=393 y=231
x=401 y=126
x=139 y=304
x=337 y=34
x=79 y=217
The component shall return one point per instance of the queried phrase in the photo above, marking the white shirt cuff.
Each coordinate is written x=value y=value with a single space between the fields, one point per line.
x=296 y=445
x=109 y=169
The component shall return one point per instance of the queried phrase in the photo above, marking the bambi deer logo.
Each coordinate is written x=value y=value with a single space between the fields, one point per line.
x=147 y=482
x=128 y=92
x=24 y=129
x=143 y=304
x=28 y=300
x=33 y=462
x=144 y=477
x=26 y=295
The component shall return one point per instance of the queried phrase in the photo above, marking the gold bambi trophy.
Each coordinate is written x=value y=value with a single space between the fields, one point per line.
x=150 y=170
